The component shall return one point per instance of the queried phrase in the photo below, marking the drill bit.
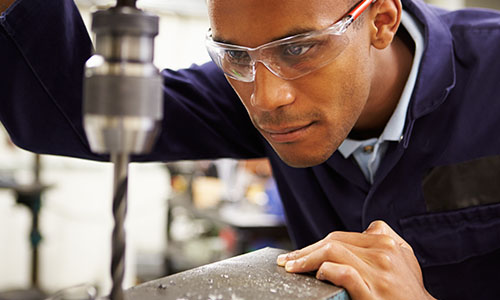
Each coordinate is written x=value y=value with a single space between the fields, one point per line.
x=118 y=242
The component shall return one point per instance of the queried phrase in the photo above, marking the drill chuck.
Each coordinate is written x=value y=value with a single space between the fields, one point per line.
x=122 y=88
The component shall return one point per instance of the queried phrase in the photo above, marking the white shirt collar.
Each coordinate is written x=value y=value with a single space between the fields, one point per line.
x=394 y=127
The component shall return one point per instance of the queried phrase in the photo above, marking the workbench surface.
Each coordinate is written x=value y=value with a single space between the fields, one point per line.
x=250 y=276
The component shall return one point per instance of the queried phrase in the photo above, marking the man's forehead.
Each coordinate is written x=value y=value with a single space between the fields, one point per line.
x=254 y=22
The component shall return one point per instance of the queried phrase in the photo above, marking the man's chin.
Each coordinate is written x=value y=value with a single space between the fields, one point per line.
x=296 y=160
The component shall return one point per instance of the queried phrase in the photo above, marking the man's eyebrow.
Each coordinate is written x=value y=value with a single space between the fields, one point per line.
x=292 y=32
x=295 y=31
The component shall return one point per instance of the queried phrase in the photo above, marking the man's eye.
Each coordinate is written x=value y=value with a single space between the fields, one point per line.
x=236 y=55
x=297 y=50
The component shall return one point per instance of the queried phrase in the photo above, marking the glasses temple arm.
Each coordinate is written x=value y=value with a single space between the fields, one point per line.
x=359 y=9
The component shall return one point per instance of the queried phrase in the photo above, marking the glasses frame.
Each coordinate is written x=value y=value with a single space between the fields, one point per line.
x=337 y=28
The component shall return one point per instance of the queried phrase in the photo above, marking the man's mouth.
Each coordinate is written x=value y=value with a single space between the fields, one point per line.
x=286 y=134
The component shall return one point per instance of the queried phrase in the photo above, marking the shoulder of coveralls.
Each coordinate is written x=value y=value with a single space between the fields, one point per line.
x=471 y=19
x=476 y=32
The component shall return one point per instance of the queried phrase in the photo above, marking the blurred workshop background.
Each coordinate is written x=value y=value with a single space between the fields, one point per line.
x=180 y=215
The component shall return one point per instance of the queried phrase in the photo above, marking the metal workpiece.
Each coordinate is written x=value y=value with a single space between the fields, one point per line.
x=246 y=277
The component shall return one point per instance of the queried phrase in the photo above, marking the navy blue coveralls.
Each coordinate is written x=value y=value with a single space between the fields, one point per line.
x=439 y=187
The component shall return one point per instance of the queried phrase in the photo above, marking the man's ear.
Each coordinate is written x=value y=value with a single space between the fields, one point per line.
x=385 y=17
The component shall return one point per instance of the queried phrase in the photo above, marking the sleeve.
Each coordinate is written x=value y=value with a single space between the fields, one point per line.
x=43 y=48
x=204 y=118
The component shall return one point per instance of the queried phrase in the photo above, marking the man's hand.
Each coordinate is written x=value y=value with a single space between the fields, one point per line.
x=375 y=264
x=4 y=4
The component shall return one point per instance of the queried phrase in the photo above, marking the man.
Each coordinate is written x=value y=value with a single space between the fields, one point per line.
x=411 y=109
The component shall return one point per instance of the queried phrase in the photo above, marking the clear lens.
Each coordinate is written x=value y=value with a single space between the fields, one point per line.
x=298 y=58
x=289 y=59
x=227 y=59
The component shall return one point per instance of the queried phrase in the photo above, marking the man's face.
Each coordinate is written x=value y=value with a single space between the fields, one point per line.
x=305 y=119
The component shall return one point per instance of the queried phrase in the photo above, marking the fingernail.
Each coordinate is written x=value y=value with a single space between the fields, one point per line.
x=281 y=260
x=320 y=275
x=289 y=265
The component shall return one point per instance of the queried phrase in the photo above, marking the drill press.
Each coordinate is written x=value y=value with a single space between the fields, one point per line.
x=123 y=104
x=122 y=112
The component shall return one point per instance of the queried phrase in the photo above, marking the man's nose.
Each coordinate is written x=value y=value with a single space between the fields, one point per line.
x=269 y=91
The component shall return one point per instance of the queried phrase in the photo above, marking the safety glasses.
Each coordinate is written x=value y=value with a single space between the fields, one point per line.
x=288 y=58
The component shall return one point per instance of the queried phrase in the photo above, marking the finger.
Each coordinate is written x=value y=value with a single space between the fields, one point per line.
x=284 y=258
x=334 y=251
x=380 y=227
x=352 y=238
x=346 y=277
x=294 y=255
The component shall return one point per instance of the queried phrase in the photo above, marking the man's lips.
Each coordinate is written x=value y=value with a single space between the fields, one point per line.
x=286 y=134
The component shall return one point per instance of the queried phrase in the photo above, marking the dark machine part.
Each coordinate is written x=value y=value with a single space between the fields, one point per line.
x=122 y=104
x=29 y=195
x=31 y=198
x=130 y=3
x=250 y=276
